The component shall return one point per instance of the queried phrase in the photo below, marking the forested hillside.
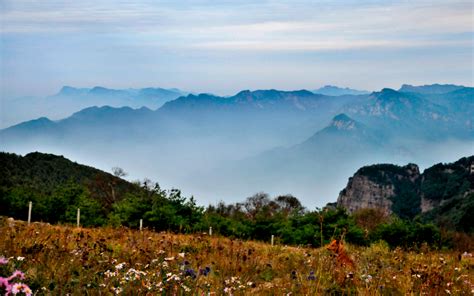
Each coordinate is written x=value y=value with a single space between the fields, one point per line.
x=58 y=186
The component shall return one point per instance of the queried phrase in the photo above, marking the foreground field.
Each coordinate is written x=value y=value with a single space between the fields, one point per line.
x=59 y=260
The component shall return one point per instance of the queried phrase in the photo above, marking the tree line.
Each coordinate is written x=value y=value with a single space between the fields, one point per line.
x=57 y=187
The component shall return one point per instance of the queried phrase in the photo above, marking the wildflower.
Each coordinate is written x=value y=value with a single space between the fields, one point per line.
x=17 y=274
x=311 y=276
x=367 y=278
x=190 y=272
x=20 y=258
x=205 y=271
x=3 y=260
x=109 y=273
x=120 y=266
x=19 y=287
x=4 y=283
x=117 y=290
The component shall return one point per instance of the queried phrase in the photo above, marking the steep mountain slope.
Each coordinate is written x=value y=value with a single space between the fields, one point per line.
x=47 y=178
x=343 y=134
x=443 y=192
x=410 y=115
x=44 y=172
x=302 y=169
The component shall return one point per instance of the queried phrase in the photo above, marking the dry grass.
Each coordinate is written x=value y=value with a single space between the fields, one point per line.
x=61 y=260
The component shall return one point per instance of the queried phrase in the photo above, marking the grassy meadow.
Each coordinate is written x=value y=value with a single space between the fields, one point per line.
x=61 y=260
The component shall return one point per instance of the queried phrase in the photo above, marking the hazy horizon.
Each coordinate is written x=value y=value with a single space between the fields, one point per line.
x=221 y=48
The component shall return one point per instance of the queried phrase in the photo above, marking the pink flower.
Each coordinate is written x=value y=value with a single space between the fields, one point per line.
x=4 y=283
x=19 y=287
x=3 y=260
x=16 y=288
x=18 y=274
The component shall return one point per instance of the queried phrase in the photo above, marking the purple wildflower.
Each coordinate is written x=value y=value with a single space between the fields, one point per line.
x=205 y=271
x=311 y=276
x=190 y=272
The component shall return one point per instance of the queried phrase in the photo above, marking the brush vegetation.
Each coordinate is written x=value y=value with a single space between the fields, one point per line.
x=60 y=260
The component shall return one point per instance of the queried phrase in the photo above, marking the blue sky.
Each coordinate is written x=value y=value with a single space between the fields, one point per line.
x=225 y=46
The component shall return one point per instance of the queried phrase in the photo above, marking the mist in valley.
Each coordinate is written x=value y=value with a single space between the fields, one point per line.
x=229 y=148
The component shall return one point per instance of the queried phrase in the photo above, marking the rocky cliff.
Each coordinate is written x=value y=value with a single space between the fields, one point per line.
x=402 y=190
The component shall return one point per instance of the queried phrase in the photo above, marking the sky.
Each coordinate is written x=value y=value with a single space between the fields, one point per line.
x=225 y=46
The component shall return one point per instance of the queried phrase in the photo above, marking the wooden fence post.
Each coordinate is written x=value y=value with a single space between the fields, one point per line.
x=30 y=206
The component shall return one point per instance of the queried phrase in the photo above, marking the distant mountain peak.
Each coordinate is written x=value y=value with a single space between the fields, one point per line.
x=101 y=90
x=343 y=122
x=331 y=90
x=71 y=91
x=387 y=94
x=389 y=91
x=67 y=88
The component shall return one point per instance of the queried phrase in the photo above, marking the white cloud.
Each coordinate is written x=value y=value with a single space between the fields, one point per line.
x=329 y=45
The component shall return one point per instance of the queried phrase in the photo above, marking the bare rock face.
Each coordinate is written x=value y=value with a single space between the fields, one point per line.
x=443 y=193
x=427 y=204
x=377 y=187
x=363 y=193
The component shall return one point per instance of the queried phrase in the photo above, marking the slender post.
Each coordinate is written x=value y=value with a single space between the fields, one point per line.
x=30 y=206
x=78 y=217
x=210 y=230
x=141 y=224
x=272 y=239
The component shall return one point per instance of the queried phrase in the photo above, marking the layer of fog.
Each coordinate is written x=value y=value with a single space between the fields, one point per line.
x=314 y=186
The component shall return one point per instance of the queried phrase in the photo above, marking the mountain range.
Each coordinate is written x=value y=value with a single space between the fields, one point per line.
x=70 y=99
x=281 y=142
